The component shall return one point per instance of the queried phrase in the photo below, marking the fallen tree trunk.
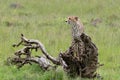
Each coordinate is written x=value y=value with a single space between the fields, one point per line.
x=81 y=59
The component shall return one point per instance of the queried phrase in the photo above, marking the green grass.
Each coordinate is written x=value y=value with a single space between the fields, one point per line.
x=45 y=20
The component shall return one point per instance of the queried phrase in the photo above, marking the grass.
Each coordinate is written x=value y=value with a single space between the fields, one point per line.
x=44 y=20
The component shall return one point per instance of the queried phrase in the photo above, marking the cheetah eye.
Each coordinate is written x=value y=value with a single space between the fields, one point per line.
x=69 y=18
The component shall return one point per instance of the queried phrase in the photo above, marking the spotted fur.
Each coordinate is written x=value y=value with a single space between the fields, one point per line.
x=77 y=26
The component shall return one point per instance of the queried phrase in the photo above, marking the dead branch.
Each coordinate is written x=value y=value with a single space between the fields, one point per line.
x=42 y=61
x=29 y=45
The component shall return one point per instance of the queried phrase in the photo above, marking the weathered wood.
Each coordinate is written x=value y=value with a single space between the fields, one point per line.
x=81 y=59
x=19 y=62
x=29 y=45
x=34 y=44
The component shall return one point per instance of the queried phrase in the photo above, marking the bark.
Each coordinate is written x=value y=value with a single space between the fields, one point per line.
x=82 y=58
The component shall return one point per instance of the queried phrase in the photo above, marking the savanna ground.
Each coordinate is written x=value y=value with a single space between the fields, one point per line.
x=45 y=20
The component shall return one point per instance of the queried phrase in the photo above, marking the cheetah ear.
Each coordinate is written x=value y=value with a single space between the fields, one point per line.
x=76 y=18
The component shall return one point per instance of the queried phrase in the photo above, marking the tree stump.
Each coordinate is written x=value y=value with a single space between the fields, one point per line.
x=81 y=58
